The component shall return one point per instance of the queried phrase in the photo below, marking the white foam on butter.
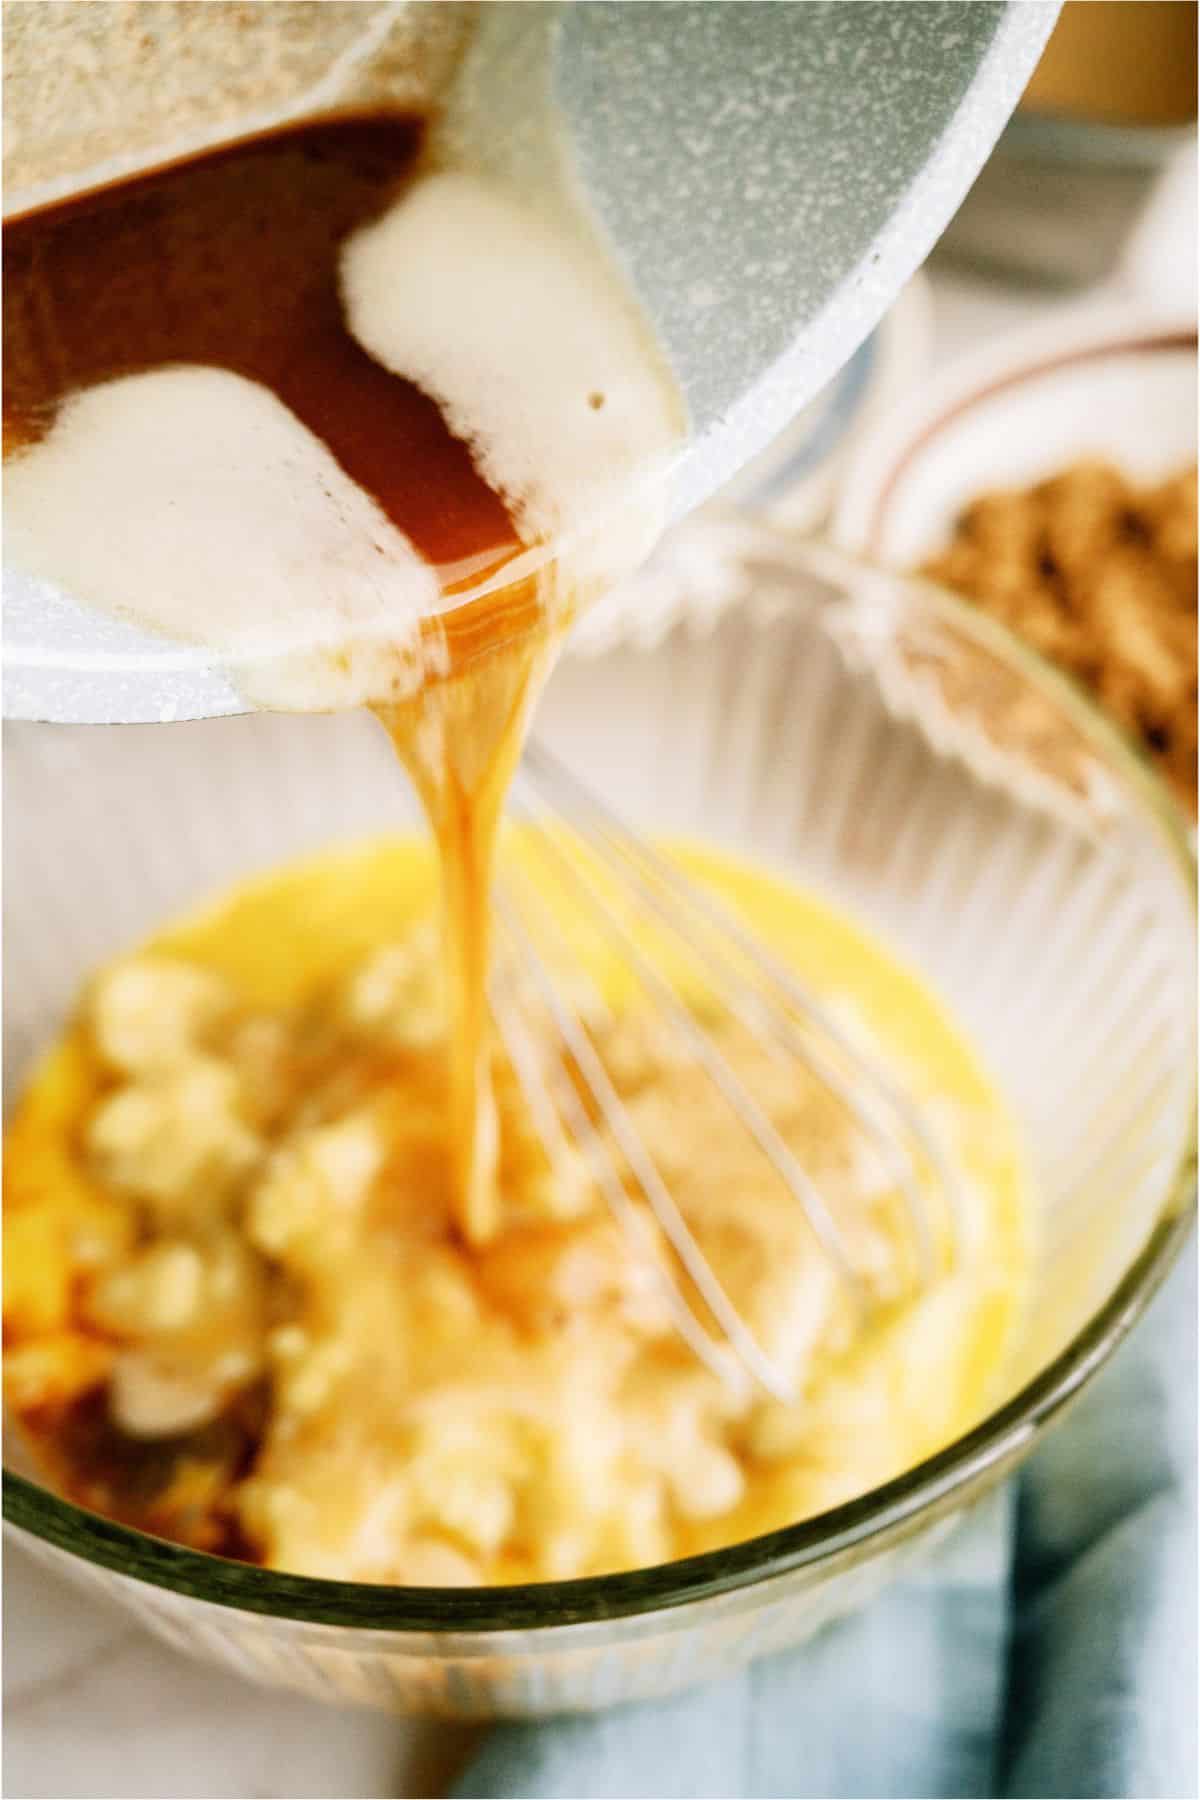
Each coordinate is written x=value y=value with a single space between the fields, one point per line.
x=194 y=502
x=535 y=357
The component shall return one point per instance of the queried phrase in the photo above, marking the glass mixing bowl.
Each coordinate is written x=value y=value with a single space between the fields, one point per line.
x=883 y=744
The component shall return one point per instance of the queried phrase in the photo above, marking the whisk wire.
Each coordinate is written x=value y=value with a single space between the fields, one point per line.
x=546 y=774
x=581 y=851
x=642 y=1167
x=746 y=1108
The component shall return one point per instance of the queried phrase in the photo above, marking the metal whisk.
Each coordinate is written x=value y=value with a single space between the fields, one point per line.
x=617 y=885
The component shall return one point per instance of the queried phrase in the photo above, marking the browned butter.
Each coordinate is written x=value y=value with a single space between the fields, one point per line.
x=233 y=262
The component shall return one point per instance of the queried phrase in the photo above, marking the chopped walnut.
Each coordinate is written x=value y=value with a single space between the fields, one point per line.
x=1099 y=576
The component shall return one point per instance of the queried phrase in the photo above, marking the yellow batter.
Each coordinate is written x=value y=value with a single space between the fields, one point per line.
x=240 y=1312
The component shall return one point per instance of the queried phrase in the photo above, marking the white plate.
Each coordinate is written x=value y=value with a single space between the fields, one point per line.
x=1111 y=380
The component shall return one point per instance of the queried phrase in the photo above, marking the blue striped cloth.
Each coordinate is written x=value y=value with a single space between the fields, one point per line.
x=1048 y=1649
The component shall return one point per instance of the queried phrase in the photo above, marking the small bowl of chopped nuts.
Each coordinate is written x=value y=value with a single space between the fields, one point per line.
x=1051 y=479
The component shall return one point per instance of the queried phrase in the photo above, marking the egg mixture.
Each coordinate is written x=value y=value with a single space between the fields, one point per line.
x=242 y=1312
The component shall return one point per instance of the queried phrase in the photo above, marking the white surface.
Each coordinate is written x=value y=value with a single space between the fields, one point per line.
x=94 y=1709
x=1160 y=258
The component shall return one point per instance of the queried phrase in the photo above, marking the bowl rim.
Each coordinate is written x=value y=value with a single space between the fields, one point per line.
x=1095 y=331
x=866 y=1523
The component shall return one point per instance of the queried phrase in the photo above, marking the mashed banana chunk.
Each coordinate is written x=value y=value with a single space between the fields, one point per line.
x=239 y=1313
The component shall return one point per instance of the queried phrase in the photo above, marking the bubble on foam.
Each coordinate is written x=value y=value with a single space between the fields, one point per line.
x=535 y=355
x=193 y=501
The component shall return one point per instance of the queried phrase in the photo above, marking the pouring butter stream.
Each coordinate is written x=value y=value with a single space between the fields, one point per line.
x=344 y=413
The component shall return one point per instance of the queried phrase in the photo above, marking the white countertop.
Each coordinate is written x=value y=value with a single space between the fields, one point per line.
x=97 y=1709
x=94 y=1708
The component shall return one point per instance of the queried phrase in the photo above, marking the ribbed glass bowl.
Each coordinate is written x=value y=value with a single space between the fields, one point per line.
x=884 y=745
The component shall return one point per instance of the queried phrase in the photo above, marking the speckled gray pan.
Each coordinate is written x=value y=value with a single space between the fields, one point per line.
x=768 y=174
